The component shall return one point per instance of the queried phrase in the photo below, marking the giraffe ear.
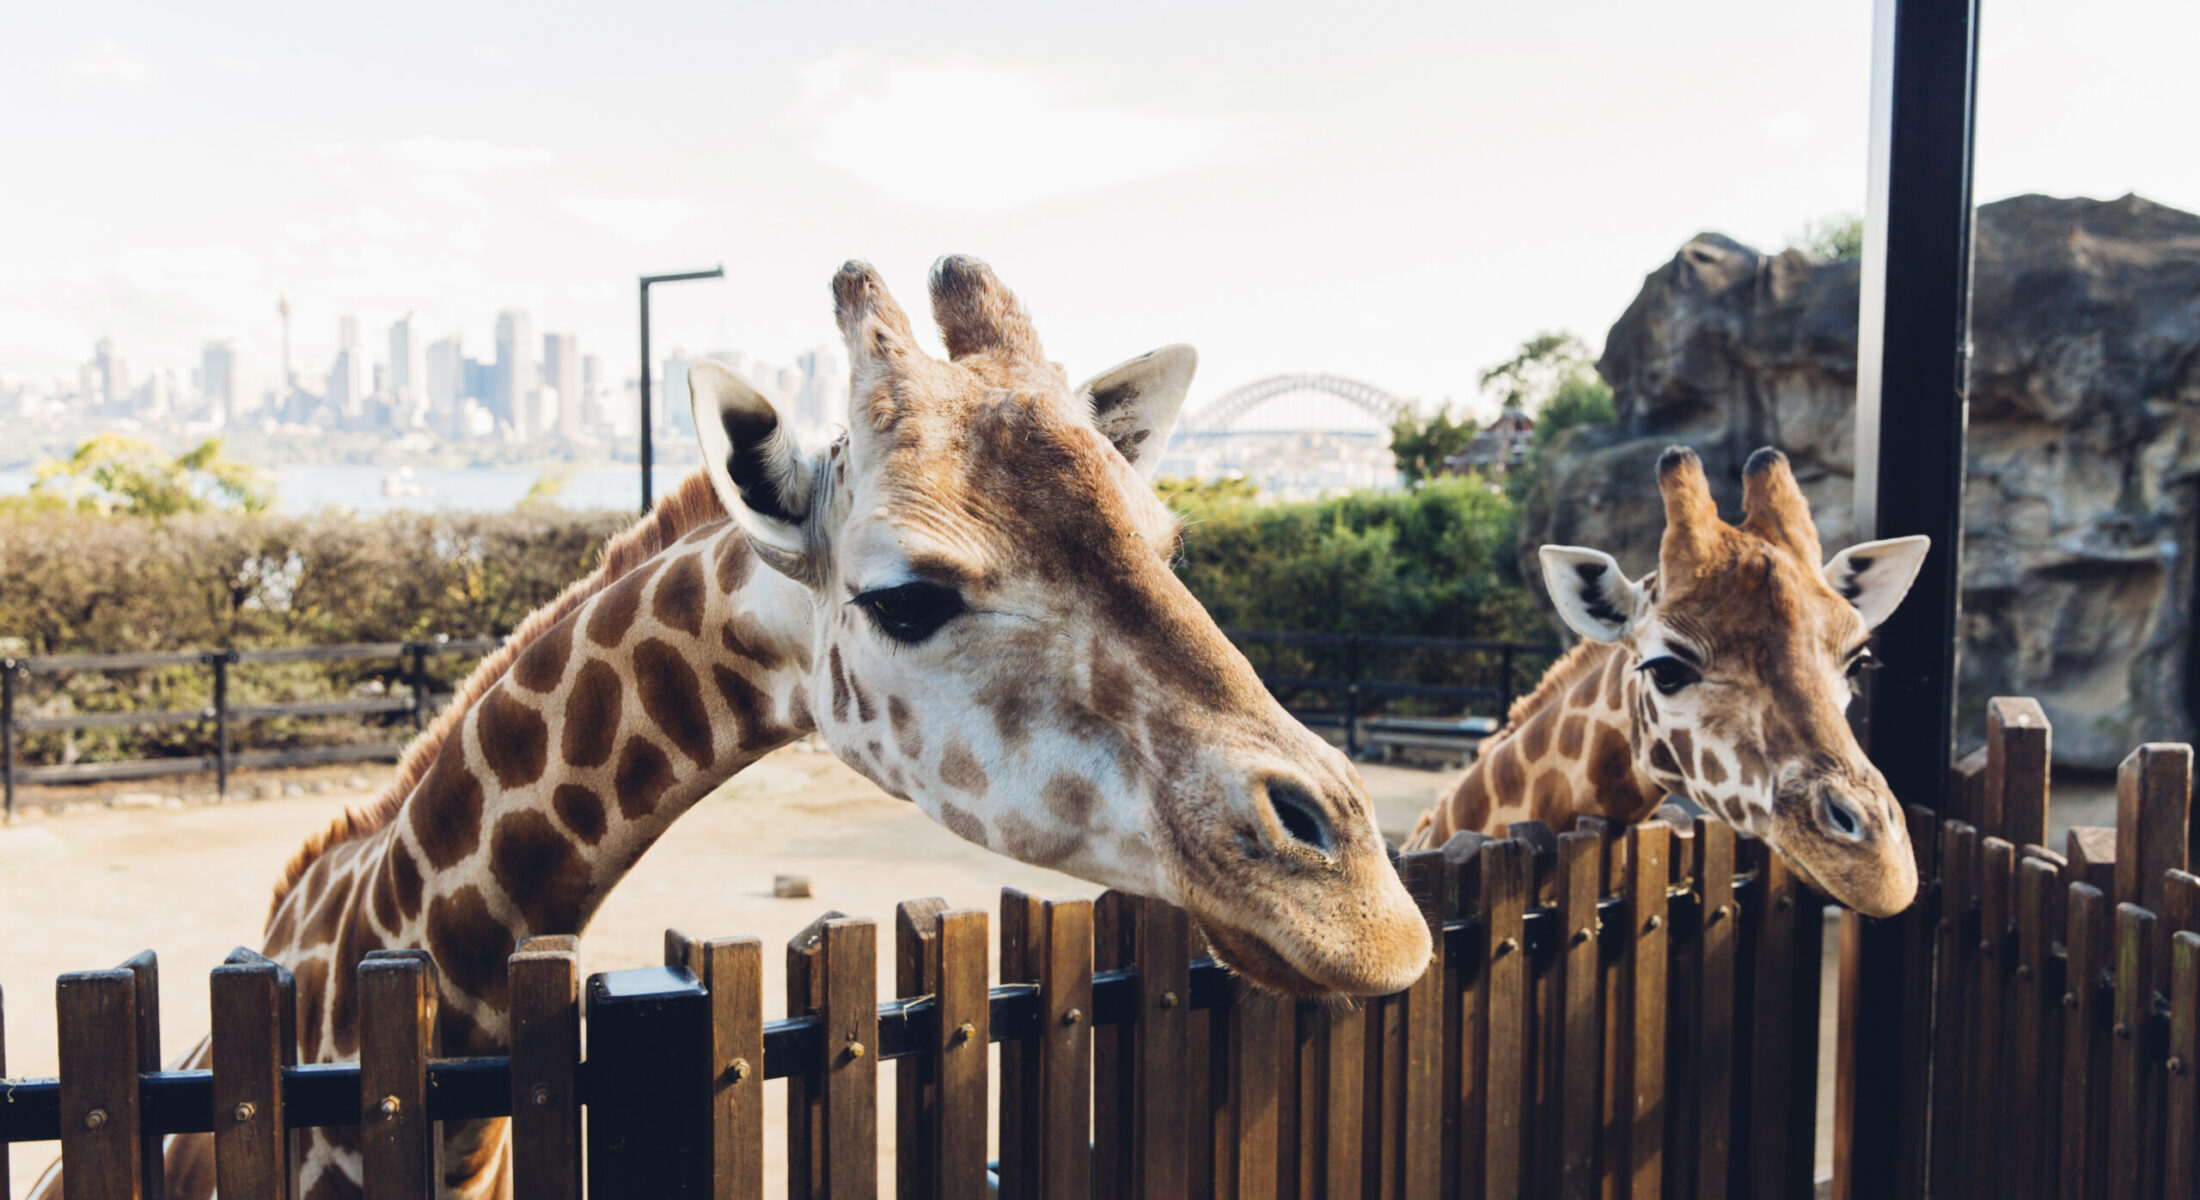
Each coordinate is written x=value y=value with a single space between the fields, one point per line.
x=1875 y=576
x=1134 y=404
x=1591 y=593
x=756 y=466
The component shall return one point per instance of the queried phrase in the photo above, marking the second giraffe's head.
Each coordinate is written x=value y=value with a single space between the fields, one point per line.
x=998 y=635
x=1746 y=652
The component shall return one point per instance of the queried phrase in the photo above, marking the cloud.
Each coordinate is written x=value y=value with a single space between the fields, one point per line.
x=1788 y=127
x=109 y=61
x=463 y=156
x=890 y=126
x=633 y=218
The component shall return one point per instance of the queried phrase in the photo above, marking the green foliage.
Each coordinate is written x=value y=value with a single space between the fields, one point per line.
x=112 y=473
x=546 y=488
x=1530 y=378
x=1581 y=399
x=1831 y=239
x=1421 y=446
x=1192 y=498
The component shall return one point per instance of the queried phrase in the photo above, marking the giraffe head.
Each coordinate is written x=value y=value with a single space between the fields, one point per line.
x=997 y=635
x=1744 y=652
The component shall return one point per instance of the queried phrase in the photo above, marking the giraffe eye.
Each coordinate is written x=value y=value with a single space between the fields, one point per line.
x=1861 y=663
x=1669 y=674
x=911 y=612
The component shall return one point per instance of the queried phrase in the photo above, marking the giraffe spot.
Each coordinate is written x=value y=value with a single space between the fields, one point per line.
x=753 y=726
x=959 y=769
x=1114 y=690
x=327 y=918
x=735 y=561
x=581 y=809
x=1570 y=733
x=906 y=734
x=741 y=635
x=591 y=725
x=539 y=869
x=514 y=741
x=343 y=1007
x=1536 y=738
x=542 y=664
x=1615 y=674
x=643 y=776
x=1012 y=715
x=1073 y=800
x=1508 y=776
x=1026 y=842
x=461 y=1036
x=1553 y=802
x=1611 y=768
x=864 y=711
x=1585 y=692
x=1708 y=766
x=840 y=687
x=405 y=878
x=311 y=979
x=612 y=614
x=385 y=891
x=679 y=599
x=962 y=823
x=469 y=945
x=1171 y=743
x=1684 y=749
x=673 y=698
x=284 y=927
x=1470 y=805
x=1661 y=758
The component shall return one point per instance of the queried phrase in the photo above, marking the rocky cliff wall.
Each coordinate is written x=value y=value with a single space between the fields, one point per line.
x=2082 y=505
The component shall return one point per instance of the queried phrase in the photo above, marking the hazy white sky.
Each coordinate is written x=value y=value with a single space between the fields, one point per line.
x=1398 y=193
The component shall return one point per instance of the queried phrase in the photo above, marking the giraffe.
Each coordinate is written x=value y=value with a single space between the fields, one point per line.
x=967 y=595
x=1722 y=676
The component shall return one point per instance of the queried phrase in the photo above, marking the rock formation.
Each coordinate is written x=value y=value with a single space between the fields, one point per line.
x=2082 y=507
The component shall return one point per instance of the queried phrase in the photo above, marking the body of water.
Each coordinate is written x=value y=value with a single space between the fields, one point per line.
x=369 y=489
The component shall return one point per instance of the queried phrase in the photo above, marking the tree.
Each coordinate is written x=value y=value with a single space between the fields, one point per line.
x=116 y=474
x=1530 y=378
x=1831 y=239
x=1421 y=446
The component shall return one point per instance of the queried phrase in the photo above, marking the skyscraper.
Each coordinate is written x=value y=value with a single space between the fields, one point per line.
x=218 y=379
x=407 y=370
x=347 y=377
x=561 y=369
x=446 y=383
x=823 y=397
x=516 y=377
x=592 y=413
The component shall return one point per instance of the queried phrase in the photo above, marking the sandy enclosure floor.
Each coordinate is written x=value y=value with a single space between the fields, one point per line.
x=89 y=887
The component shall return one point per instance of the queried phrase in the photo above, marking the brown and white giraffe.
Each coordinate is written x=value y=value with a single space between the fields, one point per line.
x=969 y=597
x=1722 y=677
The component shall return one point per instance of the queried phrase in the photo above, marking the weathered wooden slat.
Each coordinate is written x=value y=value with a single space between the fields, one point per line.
x=2086 y=1037
x=254 y=1007
x=1646 y=955
x=1715 y=1038
x=1065 y=1050
x=1967 y=788
x=1989 y=1053
x=399 y=1151
x=1541 y=1126
x=1019 y=1100
x=95 y=1021
x=1258 y=1040
x=849 y=1058
x=2181 y=1137
x=1914 y=1065
x=732 y=971
x=545 y=984
x=1422 y=1121
x=964 y=1032
x=1615 y=1105
x=1506 y=882
x=1304 y=1180
x=144 y=969
x=1162 y=1116
x=1578 y=1033
x=2180 y=910
x=2017 y=749
x=1956 y=952
x=1467 y=1035
x=1800 y=1104
x=1683 y=1014
x=2134 y=1158
x=1775 y=1052
x=806 y=1170
x=2035 y=1040
x=1342 y=1076
x=1114 y=1063
x=2091 y=851
x=916 y=1078
x=2153 y=807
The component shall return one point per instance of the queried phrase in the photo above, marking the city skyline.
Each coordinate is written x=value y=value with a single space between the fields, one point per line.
x=1400 y=198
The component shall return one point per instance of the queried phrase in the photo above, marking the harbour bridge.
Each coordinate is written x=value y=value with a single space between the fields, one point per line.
x=1224 y=411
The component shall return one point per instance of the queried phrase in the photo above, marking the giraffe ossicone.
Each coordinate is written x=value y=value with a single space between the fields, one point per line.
x=1723 y=676
x=968 y=595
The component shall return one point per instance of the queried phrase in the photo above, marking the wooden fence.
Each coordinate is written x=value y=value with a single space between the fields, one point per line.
x=1625 y=1015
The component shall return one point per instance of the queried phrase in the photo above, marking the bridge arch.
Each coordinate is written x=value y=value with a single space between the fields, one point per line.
x=1235 y=405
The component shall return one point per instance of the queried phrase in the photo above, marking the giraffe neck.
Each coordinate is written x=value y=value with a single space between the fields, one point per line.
x=1567 y=751
x=608 y=726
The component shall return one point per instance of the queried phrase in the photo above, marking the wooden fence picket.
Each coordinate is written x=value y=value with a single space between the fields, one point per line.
x=806 y=1139
x=1989 y=1053
x=964 y=1033
x=732 y=971
x=1714 y=1058
x=1505 y=883
x=254 y=1008
x=2088 y=943
x=545 y=983
x=916 y=1078
x=848 y=1028
x=1956 y=954
x=1114 y=1065
x=1421 y=1090
x=1161 y=1121
x=1064 y=1050
x=96 y=1021
x=2018 y=747
x=1646 y=957
x=2035 y=1035
x=2133 y=1156
x=2181 y=1136
x=400 y=1156
x=1019 y=1063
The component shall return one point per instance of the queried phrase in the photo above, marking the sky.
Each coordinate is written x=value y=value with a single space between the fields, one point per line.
x=1396 y=193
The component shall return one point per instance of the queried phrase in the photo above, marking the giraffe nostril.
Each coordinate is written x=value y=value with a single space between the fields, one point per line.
x=1299 y=815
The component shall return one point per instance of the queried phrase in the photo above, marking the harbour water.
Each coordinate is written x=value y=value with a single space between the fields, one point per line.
x=372 y=489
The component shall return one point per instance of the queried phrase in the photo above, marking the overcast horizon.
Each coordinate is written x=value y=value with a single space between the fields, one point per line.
x=1401 y=197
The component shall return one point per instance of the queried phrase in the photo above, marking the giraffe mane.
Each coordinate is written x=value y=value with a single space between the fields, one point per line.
x=1559 y=676
x=691 y=506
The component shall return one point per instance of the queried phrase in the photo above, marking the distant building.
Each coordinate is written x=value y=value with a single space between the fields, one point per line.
x=110 y=382
x=592 y=413
x=408 y=383
x=674 y=413
x=822 y=399
x=445 y=377
x=346 y=392
x=218 y=380
x=517 y=374
x=561 y=371
x=1502 y=445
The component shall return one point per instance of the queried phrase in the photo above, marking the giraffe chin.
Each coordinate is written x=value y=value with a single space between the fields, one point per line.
x=1257 y=963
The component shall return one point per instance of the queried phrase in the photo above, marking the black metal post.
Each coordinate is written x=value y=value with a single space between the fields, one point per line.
x=1352 y=696
x=419 y=653
x=1913 y=354
x=8 y=669
x=1505 y=682
x=648 y=446
x=220 y=660
x=647 y=1084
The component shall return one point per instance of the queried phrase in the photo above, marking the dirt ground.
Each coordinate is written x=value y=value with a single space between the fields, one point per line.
x=89 y=885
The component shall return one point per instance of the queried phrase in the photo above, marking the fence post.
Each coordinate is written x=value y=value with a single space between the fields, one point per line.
x=1504 y=681
x=8 y=669
x=1352 y=695
x=648 y=1083
x=418 y=652
x=220 y=660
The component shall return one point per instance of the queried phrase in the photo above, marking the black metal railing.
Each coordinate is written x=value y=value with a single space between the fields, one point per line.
x=1351 y=678
x=218 y=716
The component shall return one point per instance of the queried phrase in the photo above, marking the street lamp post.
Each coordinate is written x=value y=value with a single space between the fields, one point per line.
x=647 y=449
